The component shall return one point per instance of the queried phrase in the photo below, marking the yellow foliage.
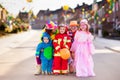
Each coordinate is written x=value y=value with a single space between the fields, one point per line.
x=29 y=0
x=65 y=7
x=7 y=29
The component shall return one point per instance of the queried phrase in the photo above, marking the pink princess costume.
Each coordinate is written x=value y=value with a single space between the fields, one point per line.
x=83 y=49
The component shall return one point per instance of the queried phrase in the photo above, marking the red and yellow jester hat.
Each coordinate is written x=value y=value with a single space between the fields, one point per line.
x=50 y=25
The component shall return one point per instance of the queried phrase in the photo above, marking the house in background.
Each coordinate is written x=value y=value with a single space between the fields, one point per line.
x=24 y=16
x=3 y=17
x=104 y=16
x=3 y=14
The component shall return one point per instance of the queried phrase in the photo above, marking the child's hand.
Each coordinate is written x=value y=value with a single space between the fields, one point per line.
x=73 y=55
x=58 y=50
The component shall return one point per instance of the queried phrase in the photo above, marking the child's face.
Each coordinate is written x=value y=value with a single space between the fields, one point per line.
x=73 y=28
x=45 y=39
x=62 y=30
x=83 y=26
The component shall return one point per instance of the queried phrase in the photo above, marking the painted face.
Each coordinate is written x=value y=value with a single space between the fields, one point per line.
x=73 y=28
x=83 y=26
x=45 y=39
x=62 y=30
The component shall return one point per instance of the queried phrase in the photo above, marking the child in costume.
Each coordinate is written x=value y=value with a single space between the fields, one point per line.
x=38 y=60
x=83 y=48
x=72 y=30
x=44 y=52
x=50 y=28
x=62 y=40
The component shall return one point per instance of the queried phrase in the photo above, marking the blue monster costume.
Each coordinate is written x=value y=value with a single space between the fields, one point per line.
x=45 y=51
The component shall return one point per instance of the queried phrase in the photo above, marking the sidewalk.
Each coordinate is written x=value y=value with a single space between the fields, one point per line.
x=14 y=40
x=110 y=44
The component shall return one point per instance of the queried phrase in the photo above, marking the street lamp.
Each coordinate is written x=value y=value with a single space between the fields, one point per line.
x=30 y=13
x=65 y=8
x=114 y=15
x=94 y=8
x=83 y=12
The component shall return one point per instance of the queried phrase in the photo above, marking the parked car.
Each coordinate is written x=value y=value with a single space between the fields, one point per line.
x=118 y=27
x=107 y=28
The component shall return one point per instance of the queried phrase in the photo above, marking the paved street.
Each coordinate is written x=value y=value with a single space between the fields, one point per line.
x=17 y=60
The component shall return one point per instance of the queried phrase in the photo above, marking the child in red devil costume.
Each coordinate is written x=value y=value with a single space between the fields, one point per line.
x=62 y=40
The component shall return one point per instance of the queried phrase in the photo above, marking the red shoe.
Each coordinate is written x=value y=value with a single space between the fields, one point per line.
x=64 y=73
x=56 y=73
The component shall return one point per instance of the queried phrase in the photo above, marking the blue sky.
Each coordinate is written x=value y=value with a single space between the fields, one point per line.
x=14 y=6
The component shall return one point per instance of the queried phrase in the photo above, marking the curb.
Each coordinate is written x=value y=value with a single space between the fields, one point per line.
x=112 y=49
